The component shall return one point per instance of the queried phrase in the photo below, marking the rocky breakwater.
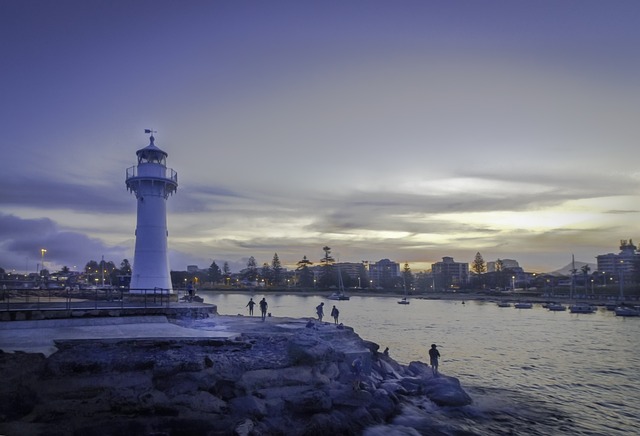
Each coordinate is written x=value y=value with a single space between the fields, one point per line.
x=278 y=377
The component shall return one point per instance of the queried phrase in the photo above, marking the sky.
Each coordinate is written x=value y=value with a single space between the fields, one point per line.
x=405 y=130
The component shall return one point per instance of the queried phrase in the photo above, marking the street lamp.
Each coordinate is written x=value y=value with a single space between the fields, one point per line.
x=513 y=283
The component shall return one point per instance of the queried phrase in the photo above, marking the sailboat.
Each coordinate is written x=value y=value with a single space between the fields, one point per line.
x=339 y=294
x=404 y=299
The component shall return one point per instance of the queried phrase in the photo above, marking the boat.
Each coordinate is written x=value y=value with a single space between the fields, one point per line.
x=556 y=307
x=404 y=299
x=339 y=294
x=504 y=304
x=523 y=305
x=611 y=305
x=627 y=311
x=581 y=308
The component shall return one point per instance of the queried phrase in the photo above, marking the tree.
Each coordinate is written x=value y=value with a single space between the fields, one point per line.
x=251 y=273
x=305 y=276
x=500 y=273
x=125 y=267
x=266 y=273
x=226 y=272
x=276 y=269
x=214 y=274
x=326 y=262
x=478 y=265
x=407 y=277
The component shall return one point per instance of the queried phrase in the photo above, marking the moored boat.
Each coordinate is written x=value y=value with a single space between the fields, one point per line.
x=523 y=305
x=504 y=304
x=581 y=308
x=339 y=294
x=627 y=311
x=556 y=307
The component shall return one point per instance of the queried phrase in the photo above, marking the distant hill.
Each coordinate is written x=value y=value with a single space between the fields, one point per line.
x=566 y=270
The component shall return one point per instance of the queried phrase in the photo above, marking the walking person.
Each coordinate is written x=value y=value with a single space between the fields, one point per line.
x=263 y=308
x=320 y=311
x=250 y=305
x=335 y=313
x=434 y=355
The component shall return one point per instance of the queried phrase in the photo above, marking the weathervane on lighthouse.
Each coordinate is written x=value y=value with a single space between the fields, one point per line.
x=152 y=183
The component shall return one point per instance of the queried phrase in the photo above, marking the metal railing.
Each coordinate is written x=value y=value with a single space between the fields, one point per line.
x=91 y=298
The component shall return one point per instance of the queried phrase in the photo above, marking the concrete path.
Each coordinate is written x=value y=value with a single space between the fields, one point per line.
x=39 y=336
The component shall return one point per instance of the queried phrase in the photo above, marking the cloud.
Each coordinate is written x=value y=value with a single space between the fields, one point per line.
x=21 y=241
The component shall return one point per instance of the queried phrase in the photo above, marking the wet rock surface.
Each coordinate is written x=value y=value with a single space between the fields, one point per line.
x=280 y=377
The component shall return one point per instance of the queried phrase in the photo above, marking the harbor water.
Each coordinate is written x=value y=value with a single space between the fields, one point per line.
x=529 y=371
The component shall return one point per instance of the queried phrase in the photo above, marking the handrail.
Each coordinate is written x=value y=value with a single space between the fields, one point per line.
x=93 y=298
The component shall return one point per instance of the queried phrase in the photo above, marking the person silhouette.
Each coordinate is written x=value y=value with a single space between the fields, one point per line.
x=263 y=308
x=434 y=355
x=335 y=313
x=320 y=311
x=250 y=305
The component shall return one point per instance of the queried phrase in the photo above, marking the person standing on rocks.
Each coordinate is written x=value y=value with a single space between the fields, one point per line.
x=320 y=311
x=250 y=305
x=434 y=355
x=263 y=308
x=335 y=313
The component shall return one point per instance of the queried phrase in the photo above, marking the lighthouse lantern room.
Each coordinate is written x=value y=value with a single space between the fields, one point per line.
x=152 y=183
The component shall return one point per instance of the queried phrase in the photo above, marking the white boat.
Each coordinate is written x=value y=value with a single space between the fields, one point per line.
x=626 y=311
x=582 y=308
x=339 y=294
x=404 y=299
x=556 y=307
x=523 y=305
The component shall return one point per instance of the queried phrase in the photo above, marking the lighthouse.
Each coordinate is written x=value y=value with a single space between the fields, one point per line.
x=152 y=183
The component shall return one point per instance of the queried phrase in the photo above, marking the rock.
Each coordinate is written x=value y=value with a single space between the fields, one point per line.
x=274 y=378
x=446 y=391
x=248 y=405
x=245 y=428
x=311 y=401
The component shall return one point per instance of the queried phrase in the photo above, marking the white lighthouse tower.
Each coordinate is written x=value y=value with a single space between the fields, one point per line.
x=152 y=183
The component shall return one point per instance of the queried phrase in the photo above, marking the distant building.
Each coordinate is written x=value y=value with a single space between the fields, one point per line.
x=449 y=274
x=192 y=268
x=383 y=273
x=506 y=264
x=354 y=270
x=619 y=265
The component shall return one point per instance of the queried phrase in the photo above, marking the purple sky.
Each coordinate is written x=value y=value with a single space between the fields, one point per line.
x=408 y=130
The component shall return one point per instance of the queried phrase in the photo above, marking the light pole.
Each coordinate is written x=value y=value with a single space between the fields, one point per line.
x=513 y=283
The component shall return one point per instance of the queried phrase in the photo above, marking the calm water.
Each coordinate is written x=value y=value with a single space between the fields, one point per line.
x=529 y=371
